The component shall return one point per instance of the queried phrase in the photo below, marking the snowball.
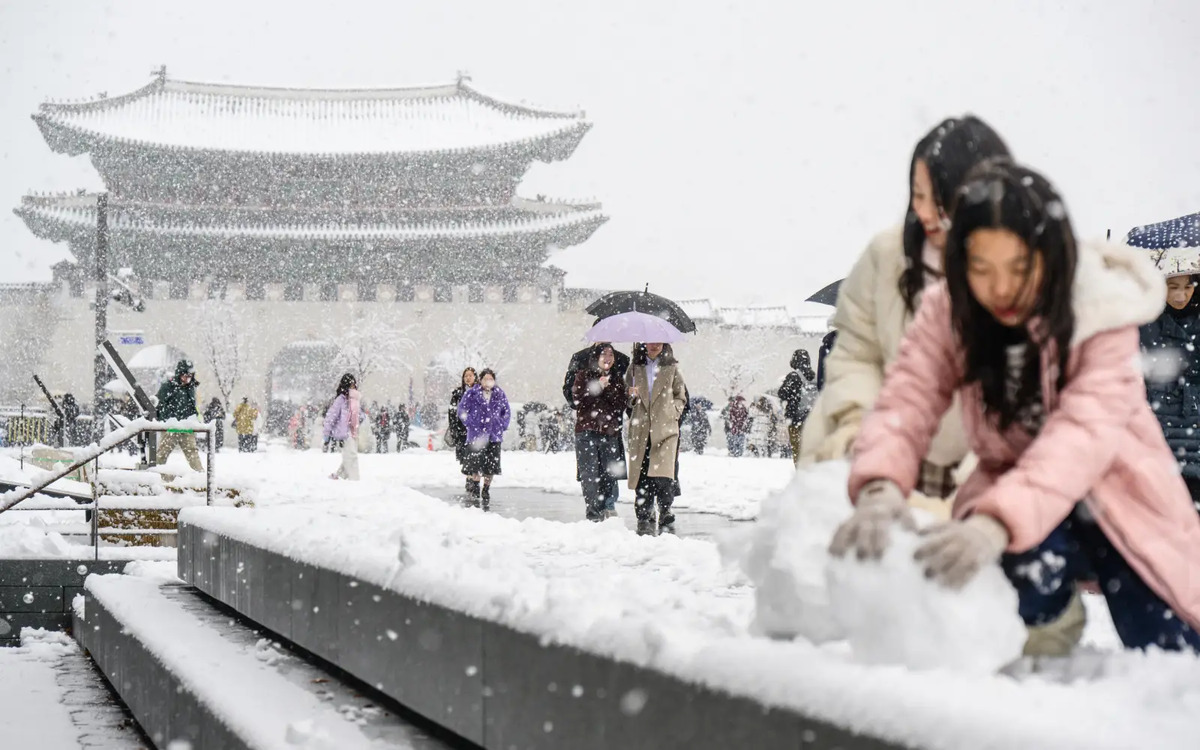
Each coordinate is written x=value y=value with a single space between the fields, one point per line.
x=785 y=552
x=892 y=614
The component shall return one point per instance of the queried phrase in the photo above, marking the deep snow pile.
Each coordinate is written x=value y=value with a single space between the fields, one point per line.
x=784 y=554
x=892 y=614
x=886 y=610
x=670 y=604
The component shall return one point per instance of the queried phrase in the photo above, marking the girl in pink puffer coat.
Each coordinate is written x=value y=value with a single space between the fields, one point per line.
x=1039 y=338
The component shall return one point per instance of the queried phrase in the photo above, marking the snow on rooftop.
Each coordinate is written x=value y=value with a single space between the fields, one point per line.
x=755 y=317
x=80 y=211
x=179 y=114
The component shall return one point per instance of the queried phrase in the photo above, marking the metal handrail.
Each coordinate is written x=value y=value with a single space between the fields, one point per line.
x=110 y=441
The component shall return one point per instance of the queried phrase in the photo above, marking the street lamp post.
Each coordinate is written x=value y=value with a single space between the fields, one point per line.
x=99 y=406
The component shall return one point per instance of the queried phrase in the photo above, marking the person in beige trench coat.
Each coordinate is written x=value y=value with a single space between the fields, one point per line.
x=657 y=397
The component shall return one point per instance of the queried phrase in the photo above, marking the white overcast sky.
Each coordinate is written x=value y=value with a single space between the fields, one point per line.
x=746 y=151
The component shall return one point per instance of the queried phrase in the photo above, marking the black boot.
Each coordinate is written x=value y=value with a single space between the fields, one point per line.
x=666 y=519
x=486 y=496
x=472 y=492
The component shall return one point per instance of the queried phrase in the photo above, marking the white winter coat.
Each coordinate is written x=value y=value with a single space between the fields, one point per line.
x=871 y=321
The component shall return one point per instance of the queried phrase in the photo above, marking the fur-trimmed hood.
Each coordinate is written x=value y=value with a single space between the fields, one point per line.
x=1115 y=286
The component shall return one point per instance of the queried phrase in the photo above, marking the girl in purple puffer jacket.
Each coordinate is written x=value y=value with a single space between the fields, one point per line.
x=484 y=410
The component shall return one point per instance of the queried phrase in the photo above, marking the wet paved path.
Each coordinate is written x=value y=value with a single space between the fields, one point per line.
x=522 y=503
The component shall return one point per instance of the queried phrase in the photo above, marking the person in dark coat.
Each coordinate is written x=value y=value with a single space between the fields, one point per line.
x=456 y=431
x=579 y=361
x=737 y=424
x=697 y=417
x=383 y=428
x=1173 y=375
x=600 y=398
x=827 y=345
x=214 y=415
x=70 y=410
x=177 y=400
x=798 y=393
x=400 y=424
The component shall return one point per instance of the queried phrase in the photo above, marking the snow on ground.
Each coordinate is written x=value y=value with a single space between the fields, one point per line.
x=732 y=487
x=52 y=698
x=672 y=604
x=32 y=713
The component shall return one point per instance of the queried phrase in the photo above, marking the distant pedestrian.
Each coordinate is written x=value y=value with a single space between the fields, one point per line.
x=341 y=426
x=70 y=409
x=798 y=393
x=456 y=431
x=244 y=415
x=737 y=425
x=657 y=397
x=400 y=424
x=484 y=410
x=697 y=417
x=177 y=400
x=214 y=416
x=383 y=429
x=764 y=428
x=600 y=398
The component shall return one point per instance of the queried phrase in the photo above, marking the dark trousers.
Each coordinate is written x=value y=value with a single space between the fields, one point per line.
x=245 y=443
x=1078 y=550
x=381 y=442
x=600 y=459
x=652 y=491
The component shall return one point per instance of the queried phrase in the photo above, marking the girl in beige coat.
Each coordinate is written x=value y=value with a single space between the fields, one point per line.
x=657 y=396
x=878 y=299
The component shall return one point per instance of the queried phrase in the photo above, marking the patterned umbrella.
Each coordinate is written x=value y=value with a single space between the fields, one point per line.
x=1174 y=245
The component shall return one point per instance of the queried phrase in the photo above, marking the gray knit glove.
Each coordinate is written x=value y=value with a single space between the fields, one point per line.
x=880 y=504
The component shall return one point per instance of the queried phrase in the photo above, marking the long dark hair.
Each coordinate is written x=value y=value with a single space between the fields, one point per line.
x=345 y=384
x=949 y=151
x=462 y=379
x=1002 y=195
x=641 y=358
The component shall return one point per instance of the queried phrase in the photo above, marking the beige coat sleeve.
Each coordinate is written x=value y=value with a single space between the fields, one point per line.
x=854 y=369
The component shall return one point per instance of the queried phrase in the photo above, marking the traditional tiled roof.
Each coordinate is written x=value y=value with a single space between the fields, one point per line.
x=755 y=317
x=314 y=122
x=698 y=309
x=62 y=217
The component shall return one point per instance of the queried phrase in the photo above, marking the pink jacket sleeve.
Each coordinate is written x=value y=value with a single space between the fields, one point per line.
x=1077 y=444
x=918 y=389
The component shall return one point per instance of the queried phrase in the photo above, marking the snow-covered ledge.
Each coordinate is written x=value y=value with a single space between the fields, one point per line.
x=458 y=650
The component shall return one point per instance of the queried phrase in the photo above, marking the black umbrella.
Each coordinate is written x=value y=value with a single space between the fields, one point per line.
x=616 y=303
x=828 y=295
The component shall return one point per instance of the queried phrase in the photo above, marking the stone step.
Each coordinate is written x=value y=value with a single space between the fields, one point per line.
x=192 y=675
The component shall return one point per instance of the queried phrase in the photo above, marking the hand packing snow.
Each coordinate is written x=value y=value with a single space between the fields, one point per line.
x=886 y=610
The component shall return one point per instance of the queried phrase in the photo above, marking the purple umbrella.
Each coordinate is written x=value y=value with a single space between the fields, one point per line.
x=634 y=327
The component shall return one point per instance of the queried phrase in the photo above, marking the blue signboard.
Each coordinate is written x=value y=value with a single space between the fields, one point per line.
x=132 y=340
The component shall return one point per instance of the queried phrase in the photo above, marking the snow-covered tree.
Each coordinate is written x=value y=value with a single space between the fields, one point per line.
x=373 y=342
x=737 y=368
x=224 y=345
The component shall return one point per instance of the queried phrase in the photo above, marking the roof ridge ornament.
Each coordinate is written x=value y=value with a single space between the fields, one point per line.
x=161 y=73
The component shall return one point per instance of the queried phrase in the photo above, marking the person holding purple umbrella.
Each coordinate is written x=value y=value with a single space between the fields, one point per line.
x=657 y=398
